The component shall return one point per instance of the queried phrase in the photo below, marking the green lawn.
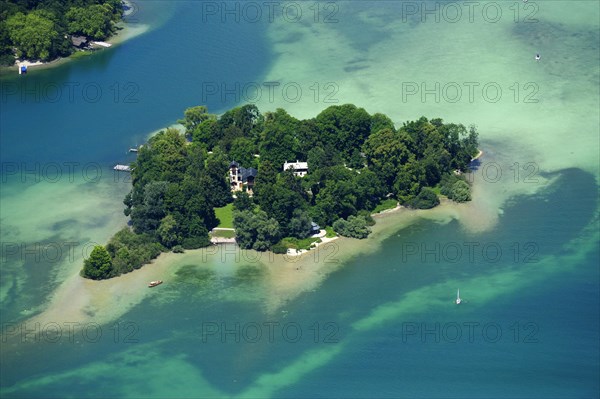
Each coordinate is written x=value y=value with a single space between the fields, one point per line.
x=385 y=204
x=225 y=216
x=330 y=233
x=223 y=233
x=80 y=54
x=295 y=243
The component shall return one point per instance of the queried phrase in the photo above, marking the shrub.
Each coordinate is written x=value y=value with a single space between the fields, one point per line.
x=455 y=188
x=99 y=265
x=7 y=60
x=254 y=229
x=178 y=249
x=368 y=218
x=130 y=251
x=195 y=242
x=279 y=249
x=461 y=192
x=355 y=227
x=425 y=200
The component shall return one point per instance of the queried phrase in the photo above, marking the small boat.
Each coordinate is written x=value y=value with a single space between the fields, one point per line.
x=458 y=300
x=154 y=283
x=537 y=57
x=133 y=150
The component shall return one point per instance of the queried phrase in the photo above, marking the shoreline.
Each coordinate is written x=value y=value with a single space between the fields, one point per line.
x=479 y=155
x=125 y=31
x=285 y=277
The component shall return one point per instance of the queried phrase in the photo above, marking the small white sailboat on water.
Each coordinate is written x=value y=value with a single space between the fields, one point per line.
x=458 y=300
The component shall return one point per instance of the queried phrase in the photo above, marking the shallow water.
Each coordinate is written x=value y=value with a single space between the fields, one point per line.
x=524 y=253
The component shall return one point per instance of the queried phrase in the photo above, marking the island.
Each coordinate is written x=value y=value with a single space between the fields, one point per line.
x=45 y=30
x=279 y=183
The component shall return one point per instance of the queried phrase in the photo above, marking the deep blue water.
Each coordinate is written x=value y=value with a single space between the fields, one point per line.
x=111 y=101
x=542 y=342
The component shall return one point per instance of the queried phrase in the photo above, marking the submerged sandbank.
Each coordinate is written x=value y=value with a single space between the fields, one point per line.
x=285 y=277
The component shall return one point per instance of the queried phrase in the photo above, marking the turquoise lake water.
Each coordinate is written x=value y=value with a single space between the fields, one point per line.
x=383 y=323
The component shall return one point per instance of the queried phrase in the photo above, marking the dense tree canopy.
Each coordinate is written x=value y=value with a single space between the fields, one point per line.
x=35 y=35
x=94 y=21
x=255 y=230
x=355 y=162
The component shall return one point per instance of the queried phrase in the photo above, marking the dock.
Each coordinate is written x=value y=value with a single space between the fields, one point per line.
x=122 y=168
x=102 y=44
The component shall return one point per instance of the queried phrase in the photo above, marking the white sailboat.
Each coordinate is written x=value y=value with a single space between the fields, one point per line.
x=458 y=300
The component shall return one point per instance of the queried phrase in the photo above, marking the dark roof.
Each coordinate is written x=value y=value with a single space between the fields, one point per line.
x=245 y=172
x=248 y=172
x=78 y=40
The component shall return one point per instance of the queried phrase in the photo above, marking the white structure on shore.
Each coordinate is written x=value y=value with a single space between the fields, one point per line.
x=300 y=168
x=122 y=168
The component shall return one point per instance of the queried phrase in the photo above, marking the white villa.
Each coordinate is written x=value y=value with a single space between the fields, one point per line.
x=300 y=168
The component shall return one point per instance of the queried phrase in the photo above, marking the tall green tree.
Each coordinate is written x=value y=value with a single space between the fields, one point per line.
x=264 y=186
x=94 y=21
x=344 y=128
x=410 y=179
x=243 y=202
x=168 y=232
x=147 y=214
x=255 y=230
x=426 y=199
x=99 y=265
x=217 y=167
x=355 y=227
x=278 y=141
x=385 y=151
x=35 y=35
x=194 y=116
x=337 y=196
x=369 y=189
x=6 y=52
x=246 y=119
x=285 y=199
x=243 y=150
x=380 y=121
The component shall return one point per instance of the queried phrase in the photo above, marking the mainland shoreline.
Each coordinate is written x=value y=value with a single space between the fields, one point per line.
x=125 y=31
